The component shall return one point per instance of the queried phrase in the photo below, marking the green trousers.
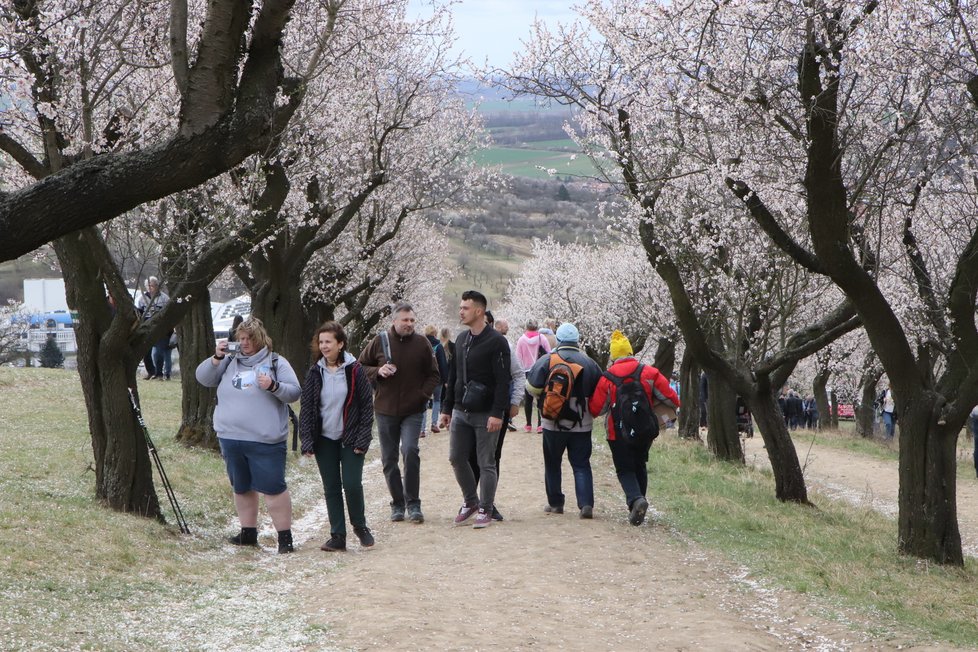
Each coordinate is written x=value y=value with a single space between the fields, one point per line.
x=342 y=473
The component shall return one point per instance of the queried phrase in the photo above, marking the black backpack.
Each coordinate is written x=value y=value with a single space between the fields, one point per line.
x=540 y=350
x=631 y=411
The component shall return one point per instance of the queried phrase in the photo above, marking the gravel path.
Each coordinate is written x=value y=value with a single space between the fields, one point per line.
x=547 y=582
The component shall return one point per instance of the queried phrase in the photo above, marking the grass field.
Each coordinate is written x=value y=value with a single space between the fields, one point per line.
x=527 y=162
x=76 y=576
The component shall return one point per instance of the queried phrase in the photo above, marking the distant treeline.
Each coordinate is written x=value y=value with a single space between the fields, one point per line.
x=530 y=208
x=516 y=127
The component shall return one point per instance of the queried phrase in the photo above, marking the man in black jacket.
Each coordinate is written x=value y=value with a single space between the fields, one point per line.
x=474 y=406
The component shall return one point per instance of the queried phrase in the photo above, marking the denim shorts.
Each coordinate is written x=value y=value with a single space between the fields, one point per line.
x=254 y=466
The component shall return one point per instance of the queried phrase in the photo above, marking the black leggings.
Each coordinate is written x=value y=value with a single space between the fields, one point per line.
x=528 y=401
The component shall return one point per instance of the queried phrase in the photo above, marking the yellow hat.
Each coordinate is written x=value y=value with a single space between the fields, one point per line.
x=620 y=346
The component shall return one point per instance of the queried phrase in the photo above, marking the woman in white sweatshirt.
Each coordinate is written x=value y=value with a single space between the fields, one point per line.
x=254 y=386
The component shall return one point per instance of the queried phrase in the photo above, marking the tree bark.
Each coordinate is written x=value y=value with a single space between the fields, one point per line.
x=866 y=412
x=928 y=522
x=107 y=364
x=789 y=482
x=279 y=306
x=722 y=437
x=822 y=398
x=689 y=397
x=665 y=356
x=834 y=410
x=195 y=335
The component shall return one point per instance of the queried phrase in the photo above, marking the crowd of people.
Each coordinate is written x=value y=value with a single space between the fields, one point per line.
x=474 y=386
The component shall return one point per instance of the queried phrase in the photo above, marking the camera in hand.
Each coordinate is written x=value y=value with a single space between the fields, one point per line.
x=233 y=347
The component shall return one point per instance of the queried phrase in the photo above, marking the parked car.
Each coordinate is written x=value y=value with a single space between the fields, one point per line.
x=224 y=314
x=845 y=411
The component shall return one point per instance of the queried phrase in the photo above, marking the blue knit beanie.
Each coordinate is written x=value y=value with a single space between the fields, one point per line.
x=567 y=332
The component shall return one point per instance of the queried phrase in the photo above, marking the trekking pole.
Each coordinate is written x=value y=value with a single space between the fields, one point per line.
x=165 y=481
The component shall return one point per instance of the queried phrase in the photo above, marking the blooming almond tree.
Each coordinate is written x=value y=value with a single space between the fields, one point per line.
x=99 y=87
x=232 y=101
x=377 y=141
x=720 y=274
x=598 y=288
x=363 y=274
x=847 y=131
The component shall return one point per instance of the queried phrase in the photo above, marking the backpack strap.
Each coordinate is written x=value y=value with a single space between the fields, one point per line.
x=637 y=374
x=292 y=416
x=465 y=356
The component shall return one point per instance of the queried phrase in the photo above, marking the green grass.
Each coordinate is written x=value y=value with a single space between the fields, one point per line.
x=563 y=143
x=526 y=162
x=844 y=556
x=74 y=575
x=845 y=439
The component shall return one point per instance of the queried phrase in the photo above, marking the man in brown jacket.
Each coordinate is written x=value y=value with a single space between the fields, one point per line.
x=403 y=369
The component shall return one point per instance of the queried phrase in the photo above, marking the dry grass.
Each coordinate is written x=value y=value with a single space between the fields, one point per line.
x=845 y=555
x=74 y=575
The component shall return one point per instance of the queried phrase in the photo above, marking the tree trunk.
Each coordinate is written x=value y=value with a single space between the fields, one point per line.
x=279 y=306
x=866 y=412
x=789 y=482
x=822 y=398
x=689 y=397
x=928 y=523
x=722 y=436
x=834 y=410
x=107 y=365
x=665 y=356
x=195 y=335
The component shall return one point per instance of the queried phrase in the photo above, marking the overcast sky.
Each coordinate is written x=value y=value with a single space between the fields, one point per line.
x=494 y=28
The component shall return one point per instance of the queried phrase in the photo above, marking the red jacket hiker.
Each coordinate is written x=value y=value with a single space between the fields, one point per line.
x=656 y=387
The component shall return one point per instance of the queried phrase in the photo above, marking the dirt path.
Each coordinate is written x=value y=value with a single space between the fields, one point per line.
x=539 y=581
x=863 y=480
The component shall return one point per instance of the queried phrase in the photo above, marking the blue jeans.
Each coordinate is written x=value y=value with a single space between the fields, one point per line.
x=973 y=422
x=254 y=466
x=401 y=433
x=435 y=409
x=889 y=424
x=578 y=447
x=162 y=359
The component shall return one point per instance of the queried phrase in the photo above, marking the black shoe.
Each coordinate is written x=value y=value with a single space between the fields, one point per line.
x=397 y=513
x=496 y=516
x=363 y=533
x=587 y=512
x=510 y=427
x=249 y=538
x=639 y=507
x=550 y=509
x=415 y=515
x=336 y=543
